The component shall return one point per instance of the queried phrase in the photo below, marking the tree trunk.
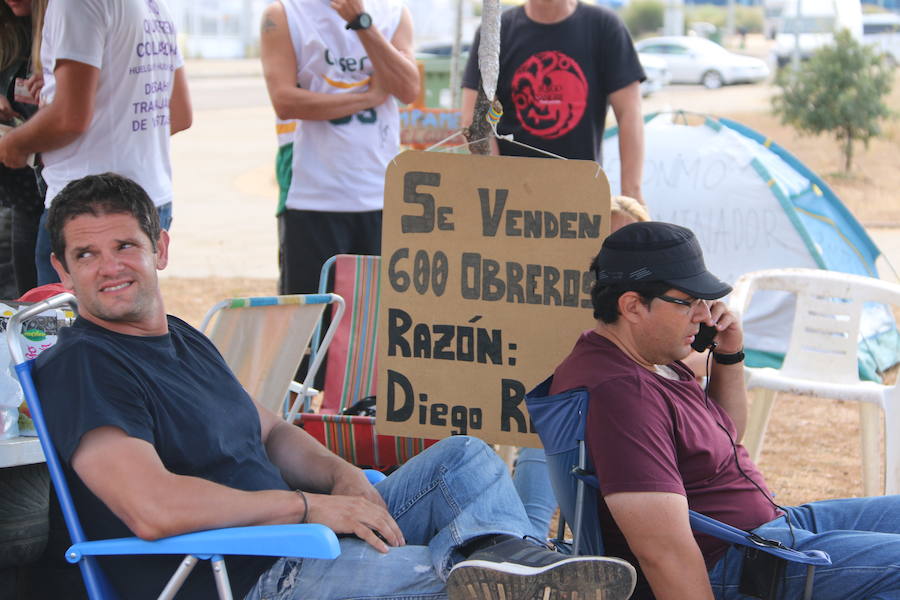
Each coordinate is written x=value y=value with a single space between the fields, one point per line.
x=479 y=132
x=848 y=150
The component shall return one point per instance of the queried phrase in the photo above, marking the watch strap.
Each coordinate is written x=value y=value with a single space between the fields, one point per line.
x=728 y=359
x=357 y=22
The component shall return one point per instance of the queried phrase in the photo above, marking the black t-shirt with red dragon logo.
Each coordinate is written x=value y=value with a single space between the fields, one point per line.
x=555 y=79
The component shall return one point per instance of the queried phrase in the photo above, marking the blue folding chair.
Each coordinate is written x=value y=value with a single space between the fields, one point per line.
x=560 y=420
x=301 y=541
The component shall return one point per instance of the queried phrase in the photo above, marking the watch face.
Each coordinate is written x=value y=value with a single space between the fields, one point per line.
x=364 y=20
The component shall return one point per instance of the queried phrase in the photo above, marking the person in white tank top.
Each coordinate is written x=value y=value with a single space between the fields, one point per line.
x=339 y=68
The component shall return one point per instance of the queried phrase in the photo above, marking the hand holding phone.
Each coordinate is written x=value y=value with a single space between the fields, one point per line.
x=704 y=338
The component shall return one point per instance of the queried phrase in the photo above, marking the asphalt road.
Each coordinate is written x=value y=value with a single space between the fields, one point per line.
x=225 y=193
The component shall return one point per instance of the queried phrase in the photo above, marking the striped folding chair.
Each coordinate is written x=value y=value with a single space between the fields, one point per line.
x=263 y=340
x=350 y=371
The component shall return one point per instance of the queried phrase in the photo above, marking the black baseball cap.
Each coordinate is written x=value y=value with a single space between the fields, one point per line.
x=657 y=251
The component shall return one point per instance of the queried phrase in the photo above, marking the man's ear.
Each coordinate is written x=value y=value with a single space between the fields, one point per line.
x=64 y=276
x=632 y=307
x=162 y=250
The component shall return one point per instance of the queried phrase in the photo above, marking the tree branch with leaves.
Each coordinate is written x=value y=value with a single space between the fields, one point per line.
x=840 y=90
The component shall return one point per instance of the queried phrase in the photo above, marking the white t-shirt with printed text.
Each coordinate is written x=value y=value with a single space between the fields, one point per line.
x=339 y=165
x=133 y=43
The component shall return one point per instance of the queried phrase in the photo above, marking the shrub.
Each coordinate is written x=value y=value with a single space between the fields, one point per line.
x=643 y=16
x=839 y=90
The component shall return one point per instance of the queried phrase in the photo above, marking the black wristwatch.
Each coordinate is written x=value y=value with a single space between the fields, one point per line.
x=362 y=21
x=728 y=359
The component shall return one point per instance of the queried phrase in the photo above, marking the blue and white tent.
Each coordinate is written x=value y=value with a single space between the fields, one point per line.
x=755 y=206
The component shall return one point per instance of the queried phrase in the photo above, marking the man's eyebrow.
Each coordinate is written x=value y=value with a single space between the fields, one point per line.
x=76 y=250
x=130 y=240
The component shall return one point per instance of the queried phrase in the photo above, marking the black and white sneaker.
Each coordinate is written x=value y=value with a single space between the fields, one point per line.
x=516 y=569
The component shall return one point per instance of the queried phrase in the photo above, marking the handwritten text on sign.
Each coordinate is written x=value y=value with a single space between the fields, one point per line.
x=486 y=287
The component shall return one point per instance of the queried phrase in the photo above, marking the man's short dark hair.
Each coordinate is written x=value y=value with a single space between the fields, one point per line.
x=605 y=297
x=98 y=195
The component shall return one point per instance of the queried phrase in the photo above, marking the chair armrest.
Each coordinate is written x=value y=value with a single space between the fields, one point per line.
x=309 y=393
x=703 y=524
x=740 y=296
x=374 y=476
x=297 y=387
x=309 y=540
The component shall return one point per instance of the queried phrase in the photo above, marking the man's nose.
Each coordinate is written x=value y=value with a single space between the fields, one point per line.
x=109 y=264
x=702 y=312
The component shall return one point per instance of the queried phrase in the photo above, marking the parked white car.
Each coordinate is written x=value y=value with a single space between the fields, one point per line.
x=693 y=59
x=657 y=72
x=882 y=30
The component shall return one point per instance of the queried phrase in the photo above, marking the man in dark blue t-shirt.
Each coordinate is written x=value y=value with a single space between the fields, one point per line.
x=158 y=438
x=562 y=64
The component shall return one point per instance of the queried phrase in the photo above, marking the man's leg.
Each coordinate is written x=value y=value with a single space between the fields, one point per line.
x=453 y=492
x=532 y=481
x=45 y=271
x=458 y=498
x=359 y=572
x=366 y=232
x=457 y=491
x=862 y=536
x=24 y=237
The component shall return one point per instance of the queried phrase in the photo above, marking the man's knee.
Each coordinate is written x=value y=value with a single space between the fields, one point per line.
x=465 y=449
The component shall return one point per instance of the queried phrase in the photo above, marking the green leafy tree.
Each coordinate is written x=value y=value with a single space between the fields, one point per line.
x=840 y=90
x=643 y=17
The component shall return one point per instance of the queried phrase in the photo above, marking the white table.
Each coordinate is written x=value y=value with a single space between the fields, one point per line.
x=20 y=451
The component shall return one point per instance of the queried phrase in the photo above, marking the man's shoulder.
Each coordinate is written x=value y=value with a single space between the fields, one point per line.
x=593 y=361
x=598 y=13
x=76 y=347
x=508 y=16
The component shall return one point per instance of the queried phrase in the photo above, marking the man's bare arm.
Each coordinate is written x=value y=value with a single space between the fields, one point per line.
x=469 y=97
x=658 y=531
x=181 y=115
x=127 y=474
x=306 y=464
x=393 y=61
x=59 y=123
x=626 y=104
x=280 y=70
x=726 y=382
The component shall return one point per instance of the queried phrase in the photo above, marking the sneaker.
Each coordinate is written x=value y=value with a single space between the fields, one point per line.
x=516 y=569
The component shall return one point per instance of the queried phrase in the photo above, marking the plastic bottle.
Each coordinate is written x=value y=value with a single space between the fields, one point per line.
x=10 y=395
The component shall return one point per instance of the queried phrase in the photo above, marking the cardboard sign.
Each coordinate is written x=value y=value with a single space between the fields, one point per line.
x=485 y=288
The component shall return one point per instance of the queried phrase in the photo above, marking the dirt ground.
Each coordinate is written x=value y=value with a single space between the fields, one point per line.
x=812 y=446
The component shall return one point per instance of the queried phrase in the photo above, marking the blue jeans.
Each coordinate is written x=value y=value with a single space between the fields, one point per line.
x=42 y=249
x=532 y=481
x=862 y=536
x=455 y=491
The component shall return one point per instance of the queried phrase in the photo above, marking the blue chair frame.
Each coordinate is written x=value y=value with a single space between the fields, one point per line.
x=560 y=421
x=302 y=541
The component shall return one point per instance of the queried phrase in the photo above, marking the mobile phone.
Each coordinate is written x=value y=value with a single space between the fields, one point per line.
x=704 y=338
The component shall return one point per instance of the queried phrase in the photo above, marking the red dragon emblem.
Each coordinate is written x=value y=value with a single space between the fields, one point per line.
x=549 y=91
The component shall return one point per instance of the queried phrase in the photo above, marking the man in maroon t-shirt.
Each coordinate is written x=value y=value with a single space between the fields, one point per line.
x=662 y=445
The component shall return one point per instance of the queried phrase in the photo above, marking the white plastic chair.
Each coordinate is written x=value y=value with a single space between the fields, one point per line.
x=822 y=361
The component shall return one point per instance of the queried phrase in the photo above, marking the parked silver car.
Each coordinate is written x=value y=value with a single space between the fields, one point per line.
x=694 y=59
x=657 y=72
